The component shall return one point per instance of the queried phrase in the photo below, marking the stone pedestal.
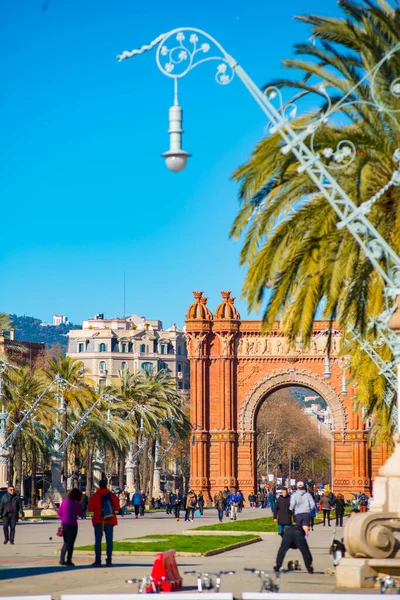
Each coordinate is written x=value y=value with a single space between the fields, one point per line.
x=371 y=539
x=97 y=469
x=56 y=493
x=156 y=491
x=129 y=469
x=352 y=573
x=3 y=471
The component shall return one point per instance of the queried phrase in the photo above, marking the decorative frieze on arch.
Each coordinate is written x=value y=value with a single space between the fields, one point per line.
x=285 y=378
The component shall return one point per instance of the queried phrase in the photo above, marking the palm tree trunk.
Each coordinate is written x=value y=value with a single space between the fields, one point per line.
x=151 y=468
x=18 y=461
x=63 y=436
x=33 y=480
x=121 y=470
x=76 y=465
x=89 y=469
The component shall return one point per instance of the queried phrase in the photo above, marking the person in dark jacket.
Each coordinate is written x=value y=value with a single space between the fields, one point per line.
x=339 y=509
x=294 y=537
x=176 y=500
x=84 y=502
x=103 y=525
x=282 y=512
x=200 y=502
x=10 y=510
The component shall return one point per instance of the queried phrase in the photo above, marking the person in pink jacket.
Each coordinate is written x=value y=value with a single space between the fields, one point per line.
x=69 y=511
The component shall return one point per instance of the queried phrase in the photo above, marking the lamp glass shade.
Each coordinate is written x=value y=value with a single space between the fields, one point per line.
x=176 y=163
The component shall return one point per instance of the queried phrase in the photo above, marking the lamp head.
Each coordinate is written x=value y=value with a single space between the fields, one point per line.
x=176 y=160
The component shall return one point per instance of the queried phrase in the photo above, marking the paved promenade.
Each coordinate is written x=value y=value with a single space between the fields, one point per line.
x=31 y=565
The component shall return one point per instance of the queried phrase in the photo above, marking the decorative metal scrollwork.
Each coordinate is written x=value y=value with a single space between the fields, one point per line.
x=180 y=52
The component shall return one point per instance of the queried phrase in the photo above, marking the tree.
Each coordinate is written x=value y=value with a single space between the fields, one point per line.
x=21 y=389
x=76 y=394
x=296 y=443
x=292 y=247
x=149 y=402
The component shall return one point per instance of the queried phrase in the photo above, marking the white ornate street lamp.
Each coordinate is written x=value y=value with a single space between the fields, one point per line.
x=182 y=49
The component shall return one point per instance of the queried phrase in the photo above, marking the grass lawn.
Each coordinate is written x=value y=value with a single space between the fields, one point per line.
x=265 y=525
x=180 y=543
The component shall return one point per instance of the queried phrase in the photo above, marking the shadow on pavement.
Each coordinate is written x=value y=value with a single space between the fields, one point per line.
x=18 y=572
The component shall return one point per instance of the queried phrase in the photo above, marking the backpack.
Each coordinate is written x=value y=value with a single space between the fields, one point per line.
x=107 y=507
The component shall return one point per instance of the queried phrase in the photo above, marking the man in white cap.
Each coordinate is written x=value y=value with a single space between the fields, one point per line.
x=301 y=504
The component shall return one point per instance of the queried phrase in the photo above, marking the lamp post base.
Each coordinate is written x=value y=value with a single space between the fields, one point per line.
x=371 y=538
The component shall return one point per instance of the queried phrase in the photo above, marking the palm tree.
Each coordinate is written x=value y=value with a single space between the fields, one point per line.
x=77 y=394
x=293 y=250
x=149 y=402
x=21 y=389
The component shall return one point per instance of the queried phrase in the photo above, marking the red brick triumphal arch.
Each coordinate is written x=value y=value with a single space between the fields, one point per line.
x=234 y=368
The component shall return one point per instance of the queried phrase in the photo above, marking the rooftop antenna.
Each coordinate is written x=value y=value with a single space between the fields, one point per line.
x=124 y=314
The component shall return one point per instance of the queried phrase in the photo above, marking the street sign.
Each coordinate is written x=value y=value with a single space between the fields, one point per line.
x=292 y=482
x=279 y=481
x=271 y=477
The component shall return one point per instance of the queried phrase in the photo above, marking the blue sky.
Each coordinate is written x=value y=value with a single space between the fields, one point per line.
x=85 y=195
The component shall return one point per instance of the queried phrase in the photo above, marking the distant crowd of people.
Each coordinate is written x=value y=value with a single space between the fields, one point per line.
x=294 y=511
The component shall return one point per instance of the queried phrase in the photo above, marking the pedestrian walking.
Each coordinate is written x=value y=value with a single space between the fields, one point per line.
x=68 y=512
x=241 y=503
x=272 y=500
x=10 y=510
x=191 y=502
x=363 y=502
x=122 y=503
x=339 y=509
x=84 y=502
x=219 y=503
x=200 y=502
x=301 y=504
x=143 y=503
x=326 y=508
x=295 y=538
x=104 y=504
x=177 y=503
x=252 y=500
x=168 y=503
x=137 y=502
x=282 y=512
x=234 y=500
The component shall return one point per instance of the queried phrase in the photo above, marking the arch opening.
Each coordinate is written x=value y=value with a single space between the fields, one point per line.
x=293 y=437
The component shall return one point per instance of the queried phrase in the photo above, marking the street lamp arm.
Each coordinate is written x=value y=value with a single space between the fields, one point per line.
x=9 y=441
x=129 y=53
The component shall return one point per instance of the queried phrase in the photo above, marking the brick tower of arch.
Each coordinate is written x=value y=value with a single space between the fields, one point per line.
x=234 y=368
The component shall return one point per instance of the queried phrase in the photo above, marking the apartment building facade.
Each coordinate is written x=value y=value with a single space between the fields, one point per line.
x=108 y=346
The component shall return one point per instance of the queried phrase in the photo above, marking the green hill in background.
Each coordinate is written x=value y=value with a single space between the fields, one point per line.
x=29 y=329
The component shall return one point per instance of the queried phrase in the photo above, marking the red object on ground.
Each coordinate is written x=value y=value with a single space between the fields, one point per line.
x=165 y=572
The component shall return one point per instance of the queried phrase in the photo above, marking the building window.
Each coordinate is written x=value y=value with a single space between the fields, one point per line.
x=170 y=348
x=102 y=381
x=163 y=366
x=162 y=348
x=103 y=348
x=123 y=348
x=180 y=385
x=179 y=350
x=155 y=347
x=186 y=385
x=81 y=347
x=179 y=368
x=147 y=367
x=143 y=348
x=102 y=365
x=124 y=365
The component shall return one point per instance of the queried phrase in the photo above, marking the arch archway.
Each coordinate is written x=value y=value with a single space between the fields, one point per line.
x=234 y=364
x=291 y=377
